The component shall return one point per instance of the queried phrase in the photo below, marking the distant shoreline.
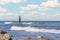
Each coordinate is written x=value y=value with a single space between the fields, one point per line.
x=35 y=21
x=29 y=21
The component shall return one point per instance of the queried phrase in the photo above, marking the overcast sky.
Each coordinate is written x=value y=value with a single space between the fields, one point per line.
x=30 y=10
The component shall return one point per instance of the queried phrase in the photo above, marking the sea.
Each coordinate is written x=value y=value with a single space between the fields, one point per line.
x=22 y=30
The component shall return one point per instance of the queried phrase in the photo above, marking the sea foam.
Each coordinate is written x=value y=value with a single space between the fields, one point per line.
x=8 y=22
x=33 y=29
x=27 y=23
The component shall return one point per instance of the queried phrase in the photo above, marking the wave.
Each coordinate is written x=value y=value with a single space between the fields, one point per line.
x=33 y=29
x=8 y=22
x=27 y=23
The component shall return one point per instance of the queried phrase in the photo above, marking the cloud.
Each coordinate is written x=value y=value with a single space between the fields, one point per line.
x=38 y=11
x=22 y=12
x=30 y=16
x=50 y=3
x=44 y=6
x=4 y=1
x=11 y=1
x=34 y=7
x=30 y=7
x=8 y=17
x=25 y=0
x=41 y=16
x=16 y=1
x=6 y=14
x=2 y=9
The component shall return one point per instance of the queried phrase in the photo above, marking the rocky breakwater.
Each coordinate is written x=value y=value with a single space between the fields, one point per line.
x=4 y=35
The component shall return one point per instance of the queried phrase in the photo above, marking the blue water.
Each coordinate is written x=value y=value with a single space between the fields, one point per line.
x=21 y=34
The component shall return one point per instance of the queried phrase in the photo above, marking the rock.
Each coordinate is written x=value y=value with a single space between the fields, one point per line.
x=39 y=37
x=28 y=38
x=43 y=38
x=1 y=36
x=7 y=37
x=47 y=38
x=4 y=35
x=2 y=32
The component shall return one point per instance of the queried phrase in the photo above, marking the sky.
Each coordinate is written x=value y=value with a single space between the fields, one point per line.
x=30 y=10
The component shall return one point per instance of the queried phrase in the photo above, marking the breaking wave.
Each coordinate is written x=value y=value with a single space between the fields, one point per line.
x=27 y=23
x=8 y=22
x=33 y=29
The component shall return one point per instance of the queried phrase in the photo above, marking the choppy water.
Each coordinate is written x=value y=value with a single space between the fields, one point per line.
x=49 y=29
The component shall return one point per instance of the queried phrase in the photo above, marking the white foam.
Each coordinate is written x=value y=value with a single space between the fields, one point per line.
x=27 y=23
x=33 y=29
x=8 y=22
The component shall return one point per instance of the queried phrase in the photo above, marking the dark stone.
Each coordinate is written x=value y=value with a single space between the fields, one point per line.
x=2 y=32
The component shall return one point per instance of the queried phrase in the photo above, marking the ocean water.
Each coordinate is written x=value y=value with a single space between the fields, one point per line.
x=24 y=29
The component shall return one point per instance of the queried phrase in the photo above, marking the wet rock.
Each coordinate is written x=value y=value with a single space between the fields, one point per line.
x=47 y=38
x=39 y=37
x=28 y=38
x=2 y=32
x=4 y=35
x=43 y=38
